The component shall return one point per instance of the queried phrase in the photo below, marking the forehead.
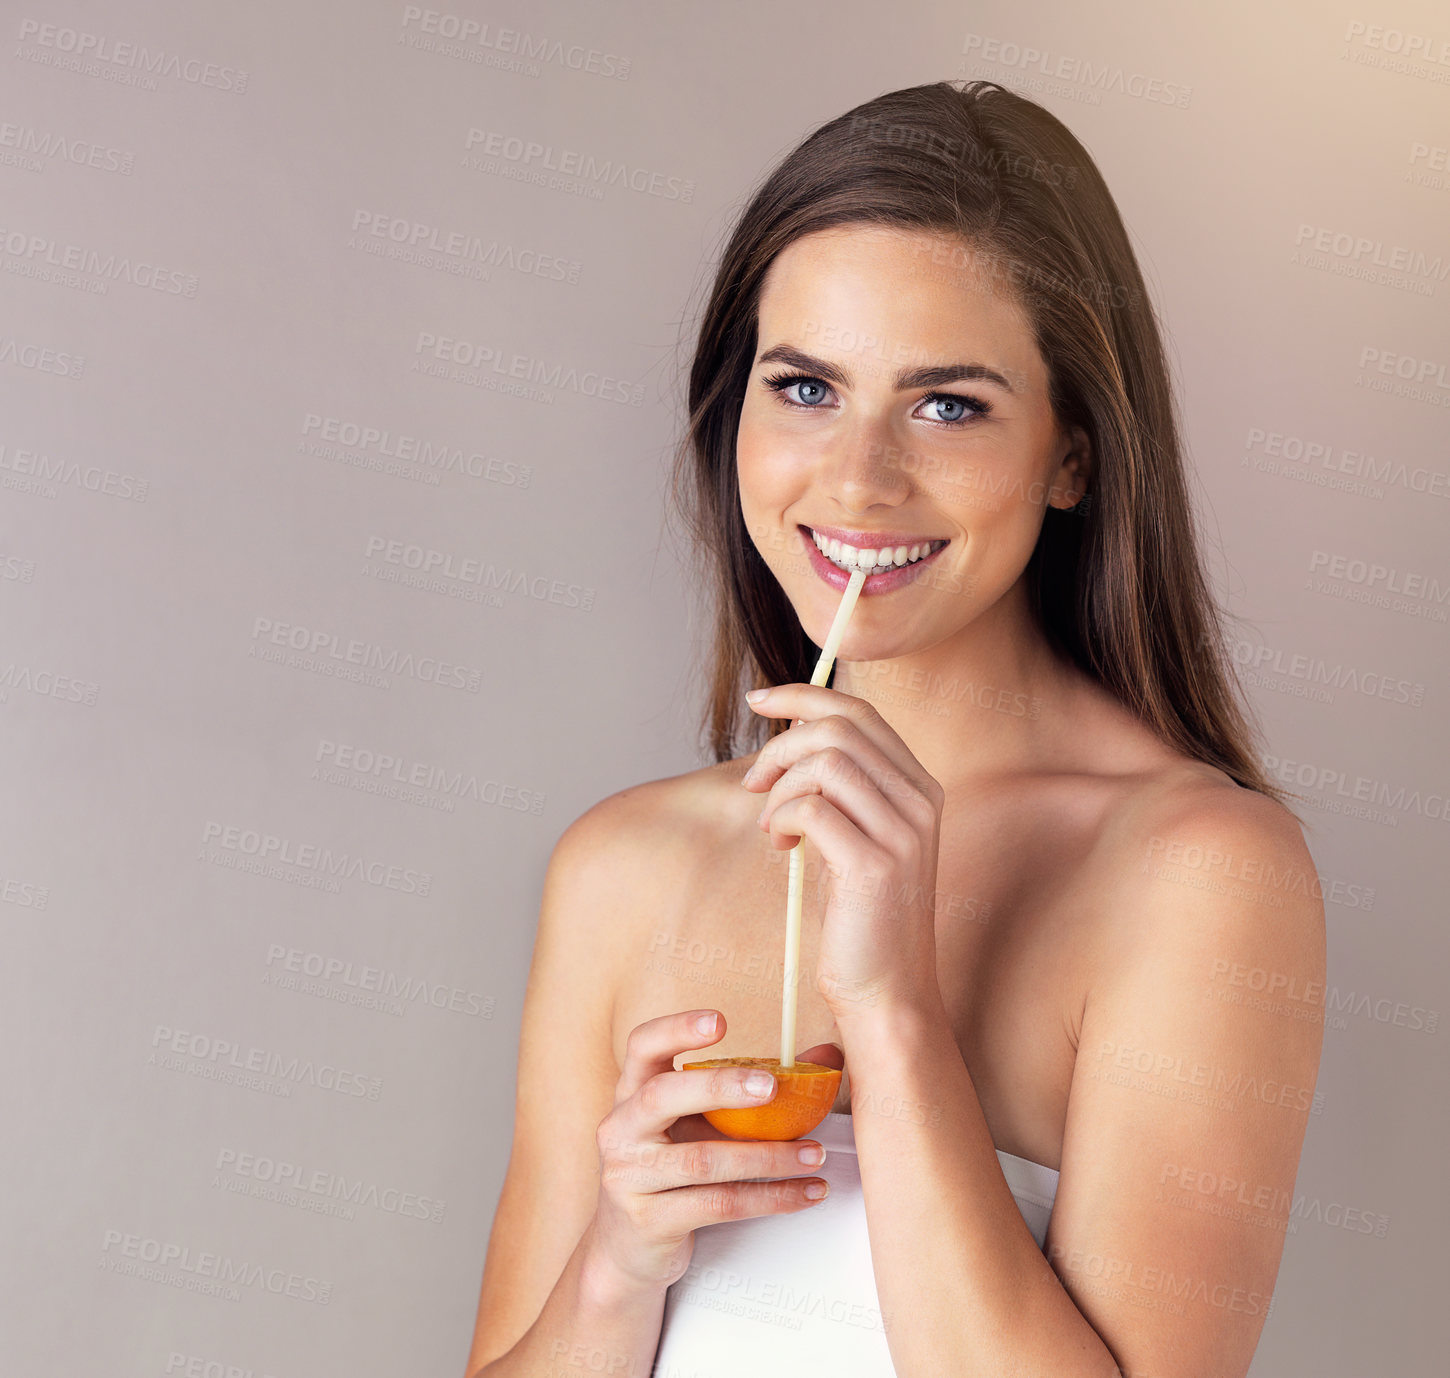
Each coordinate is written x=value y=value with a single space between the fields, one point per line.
x=913 y=296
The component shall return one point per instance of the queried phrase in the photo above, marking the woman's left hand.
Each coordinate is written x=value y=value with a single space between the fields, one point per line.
x=843 y=778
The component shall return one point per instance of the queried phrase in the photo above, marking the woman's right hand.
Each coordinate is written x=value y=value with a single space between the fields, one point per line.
x=655 y=1191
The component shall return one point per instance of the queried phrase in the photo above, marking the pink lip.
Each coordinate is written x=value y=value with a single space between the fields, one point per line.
x=869 y=540
x=886 y=581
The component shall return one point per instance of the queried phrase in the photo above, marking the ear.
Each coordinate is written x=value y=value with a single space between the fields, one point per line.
x=1074 y=472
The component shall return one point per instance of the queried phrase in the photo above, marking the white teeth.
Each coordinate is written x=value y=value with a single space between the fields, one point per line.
x=848 y=557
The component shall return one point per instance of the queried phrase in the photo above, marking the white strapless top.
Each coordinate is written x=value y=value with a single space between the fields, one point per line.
x=795 y=1294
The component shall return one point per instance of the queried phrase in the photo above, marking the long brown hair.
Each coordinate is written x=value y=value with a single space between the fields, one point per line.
x=1116 y=583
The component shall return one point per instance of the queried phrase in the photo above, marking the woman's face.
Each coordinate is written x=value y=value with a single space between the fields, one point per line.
x=836 y=437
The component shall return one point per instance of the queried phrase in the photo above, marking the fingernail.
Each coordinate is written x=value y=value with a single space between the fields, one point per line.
x=706 y=1023
x=811 y=1154
x=755 y=695
x=816 y=1190
x=759 y=1084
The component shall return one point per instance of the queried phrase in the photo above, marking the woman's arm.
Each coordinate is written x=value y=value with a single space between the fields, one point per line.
x=545 y=1306
x=962 y=1285
x=590 y=1324
x=1178 y=1084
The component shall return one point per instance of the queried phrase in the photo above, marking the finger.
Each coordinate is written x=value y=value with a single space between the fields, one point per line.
x=811 y=701
x=648 y=1166
x=835 y=779
x=840 y=719
x=835 y=776
x=668 y=1095
x=653 y=1046
x=857 y=863
x=882 y=804
x=687 y=1208
x=857 y=832
x=789 y=748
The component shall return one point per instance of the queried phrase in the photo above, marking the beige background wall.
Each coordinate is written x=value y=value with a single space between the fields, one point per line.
x=277 y=284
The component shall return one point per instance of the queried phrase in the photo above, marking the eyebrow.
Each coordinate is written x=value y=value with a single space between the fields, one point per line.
x=928 y=376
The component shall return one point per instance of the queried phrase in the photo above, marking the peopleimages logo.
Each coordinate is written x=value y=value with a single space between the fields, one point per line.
x=180 y=1050
x=24 y=893
x=200 y=1270
x=1288 y=993
x=1411 y=47
x=1296 y=455
x=41 y=252
x=323 y=968
x=327 y=651
x=1402 y=375
x=1097 y=77
x=1437 y=157
x=397 y=776
x=1355 y=580
x=1353 y=255
x=453 y=35
x=1116 y=1274
x=199 y=1366
x=481 y=145
x=375 y=445
x=1165 y=1073
x=1313 y=677
x=42 y=358
x=31 y=146
x=258 y=1175
x=33 y=471
x=313 y=856
x=425 y=239
x=431 y=566
x=94 y=54
x=1349 y=791
x=1253 y=1203
x=47 y=683
x=508 y=370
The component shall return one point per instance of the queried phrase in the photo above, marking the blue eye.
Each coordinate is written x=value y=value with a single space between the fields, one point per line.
x=813 y=392
x=945 y=399
x=807 y=386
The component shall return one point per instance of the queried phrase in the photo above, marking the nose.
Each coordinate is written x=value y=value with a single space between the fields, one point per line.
x=866 y=467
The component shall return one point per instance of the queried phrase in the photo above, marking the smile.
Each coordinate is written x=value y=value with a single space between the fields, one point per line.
x=893 y=560
x=881 y=554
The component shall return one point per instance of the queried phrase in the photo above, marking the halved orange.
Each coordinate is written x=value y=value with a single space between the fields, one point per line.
x=804 y=1094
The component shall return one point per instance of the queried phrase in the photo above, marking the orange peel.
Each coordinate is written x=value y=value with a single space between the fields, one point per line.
x=804 y=1094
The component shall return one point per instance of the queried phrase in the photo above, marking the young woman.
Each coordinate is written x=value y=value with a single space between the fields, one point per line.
x=1045 y=870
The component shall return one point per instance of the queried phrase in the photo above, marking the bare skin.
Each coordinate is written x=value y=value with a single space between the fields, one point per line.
x=1033 y=781
x=1022 y=888
x=1076 y=976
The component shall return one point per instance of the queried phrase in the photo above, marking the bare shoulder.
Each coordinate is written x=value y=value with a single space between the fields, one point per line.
x=1190 y=858
x=612 y=865
x=1193 y=815
x=1197 y=1060
x=664 y=821
x=1186 y=801
x=635 y=850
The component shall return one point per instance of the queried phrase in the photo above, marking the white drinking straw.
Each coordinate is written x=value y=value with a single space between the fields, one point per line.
x=793 y=888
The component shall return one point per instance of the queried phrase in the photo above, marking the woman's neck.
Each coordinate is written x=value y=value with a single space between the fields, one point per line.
x=995 y=700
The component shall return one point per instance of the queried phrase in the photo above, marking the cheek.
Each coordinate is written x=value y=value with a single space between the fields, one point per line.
x=753 y=475
x=764 y=457
x=997 y=489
